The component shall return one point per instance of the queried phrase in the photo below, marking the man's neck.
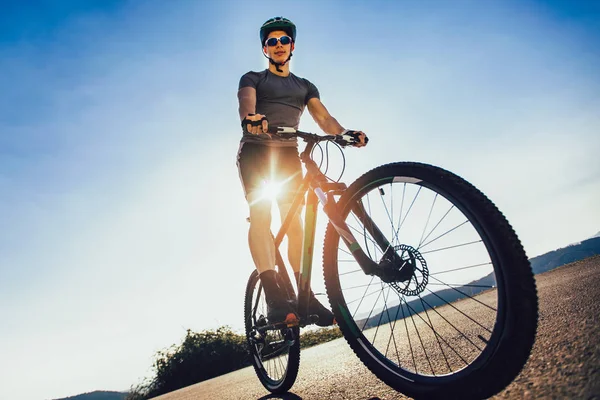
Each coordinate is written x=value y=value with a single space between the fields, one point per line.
x=284 y=68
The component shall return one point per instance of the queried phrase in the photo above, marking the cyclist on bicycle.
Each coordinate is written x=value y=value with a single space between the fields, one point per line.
x=276 y=96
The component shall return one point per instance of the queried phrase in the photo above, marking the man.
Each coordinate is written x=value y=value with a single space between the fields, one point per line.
x=276 y=96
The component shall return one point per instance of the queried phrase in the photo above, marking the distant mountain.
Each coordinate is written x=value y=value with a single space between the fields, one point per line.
x=98 y=395
x=569 y=254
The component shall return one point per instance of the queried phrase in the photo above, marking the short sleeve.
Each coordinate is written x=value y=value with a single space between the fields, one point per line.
x=249 y=79
x=312 y=92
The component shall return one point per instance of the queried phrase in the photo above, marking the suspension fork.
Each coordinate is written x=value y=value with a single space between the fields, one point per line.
x=330 y=208
x=387 y=248
x=369 y=267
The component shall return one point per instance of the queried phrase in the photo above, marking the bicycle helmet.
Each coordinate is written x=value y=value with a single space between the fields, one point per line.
x=277 y=24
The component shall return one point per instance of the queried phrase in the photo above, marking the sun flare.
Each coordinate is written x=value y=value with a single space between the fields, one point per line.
x=271 y=190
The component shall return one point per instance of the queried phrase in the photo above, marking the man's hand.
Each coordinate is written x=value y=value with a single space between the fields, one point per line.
x=362 y=139
x=256 y=123
x=354 y=138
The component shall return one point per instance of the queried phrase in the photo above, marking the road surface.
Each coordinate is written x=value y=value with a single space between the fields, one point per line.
x=565 y=362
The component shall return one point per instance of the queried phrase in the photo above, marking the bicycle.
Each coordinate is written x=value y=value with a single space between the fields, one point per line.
x=431 y=287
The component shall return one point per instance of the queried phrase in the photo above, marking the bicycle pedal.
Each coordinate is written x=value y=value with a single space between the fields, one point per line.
x=291 y=320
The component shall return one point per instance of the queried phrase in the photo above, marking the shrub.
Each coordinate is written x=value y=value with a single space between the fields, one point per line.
x=206 y=355
x=200 y=356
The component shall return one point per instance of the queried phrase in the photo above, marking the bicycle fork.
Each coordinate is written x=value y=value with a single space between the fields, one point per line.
x=391 y=267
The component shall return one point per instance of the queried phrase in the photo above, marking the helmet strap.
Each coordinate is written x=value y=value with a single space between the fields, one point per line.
x=276 y=64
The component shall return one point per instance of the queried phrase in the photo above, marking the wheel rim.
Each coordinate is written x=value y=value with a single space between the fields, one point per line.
x=419 y=329
x=270 y=349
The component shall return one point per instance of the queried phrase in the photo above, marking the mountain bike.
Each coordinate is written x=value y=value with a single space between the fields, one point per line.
x=427 y=280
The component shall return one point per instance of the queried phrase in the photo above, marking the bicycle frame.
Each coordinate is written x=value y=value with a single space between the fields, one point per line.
x=317 y=189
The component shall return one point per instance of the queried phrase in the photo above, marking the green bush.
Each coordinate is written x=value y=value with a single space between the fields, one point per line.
x=313 y=338
x=199 y=357
x=206 y=355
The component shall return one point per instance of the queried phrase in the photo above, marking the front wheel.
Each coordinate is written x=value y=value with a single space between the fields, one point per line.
x=458 y=319
x=275 y=354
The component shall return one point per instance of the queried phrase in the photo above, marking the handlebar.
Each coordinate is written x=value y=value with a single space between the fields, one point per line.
x=343 y=139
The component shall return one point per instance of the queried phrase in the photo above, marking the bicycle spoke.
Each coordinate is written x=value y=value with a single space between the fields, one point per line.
x=345 y=251
x=428 y=218
x=363 y=233
x=408 y=334
x=408 y=211
x=435 y=334
x=451 y=247
x=392 y=337
x=380 y=318
x=374 y=257
x=454 y=285
x=392 y=206
x=349 y=272
x=463 y=293
x=401 y=209
x=452 y=305
x=458 y=269
x=436 y=225
x=357 y=287
x=387 y=310
x=257 y=299
x=370 y=313
x=421 y=342
x=390 y=218
x=363 y=297
x=443 y=234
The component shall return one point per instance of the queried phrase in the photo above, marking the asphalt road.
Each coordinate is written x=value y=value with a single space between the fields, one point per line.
x=565 y=362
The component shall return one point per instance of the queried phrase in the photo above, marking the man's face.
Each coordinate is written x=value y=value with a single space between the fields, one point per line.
x=279 y=53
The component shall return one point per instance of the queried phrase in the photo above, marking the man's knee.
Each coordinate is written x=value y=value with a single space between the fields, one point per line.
x=260 y=217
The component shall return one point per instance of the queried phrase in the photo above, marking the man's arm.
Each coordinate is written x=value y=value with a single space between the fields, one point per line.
x=329 y=124
x=322 y=117
x=247 y=100
x=247 y=109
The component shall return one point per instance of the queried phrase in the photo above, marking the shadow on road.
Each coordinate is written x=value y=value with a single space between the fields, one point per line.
x=292 y=396
x=284 y=396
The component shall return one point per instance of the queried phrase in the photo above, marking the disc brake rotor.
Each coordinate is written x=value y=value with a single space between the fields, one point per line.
x=420 y=276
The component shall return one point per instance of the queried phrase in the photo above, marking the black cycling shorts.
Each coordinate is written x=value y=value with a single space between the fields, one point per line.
x=259 y=164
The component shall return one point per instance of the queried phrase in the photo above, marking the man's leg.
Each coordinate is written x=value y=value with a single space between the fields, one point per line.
x=262 y=249
x=260 y=241
x=251 y=162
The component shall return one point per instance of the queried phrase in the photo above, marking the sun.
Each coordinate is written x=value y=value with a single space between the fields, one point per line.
x=270 y=190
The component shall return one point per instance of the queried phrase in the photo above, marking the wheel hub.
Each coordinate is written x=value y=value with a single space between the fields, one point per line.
x=411 y=273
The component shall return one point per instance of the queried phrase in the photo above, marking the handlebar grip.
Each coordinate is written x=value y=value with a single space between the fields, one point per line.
x=280 y=129
x=246 y=121
x=349 y=138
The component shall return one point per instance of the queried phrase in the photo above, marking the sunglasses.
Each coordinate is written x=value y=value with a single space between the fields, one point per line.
x=273 y=41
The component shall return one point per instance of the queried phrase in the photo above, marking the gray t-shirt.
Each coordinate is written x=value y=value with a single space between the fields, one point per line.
x=281 y=99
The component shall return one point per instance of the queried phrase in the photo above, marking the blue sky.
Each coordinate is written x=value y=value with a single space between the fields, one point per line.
x=121 y=206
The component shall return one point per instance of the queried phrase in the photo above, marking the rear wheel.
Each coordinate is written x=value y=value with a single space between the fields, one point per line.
x=458 y=317
x=275 y=354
